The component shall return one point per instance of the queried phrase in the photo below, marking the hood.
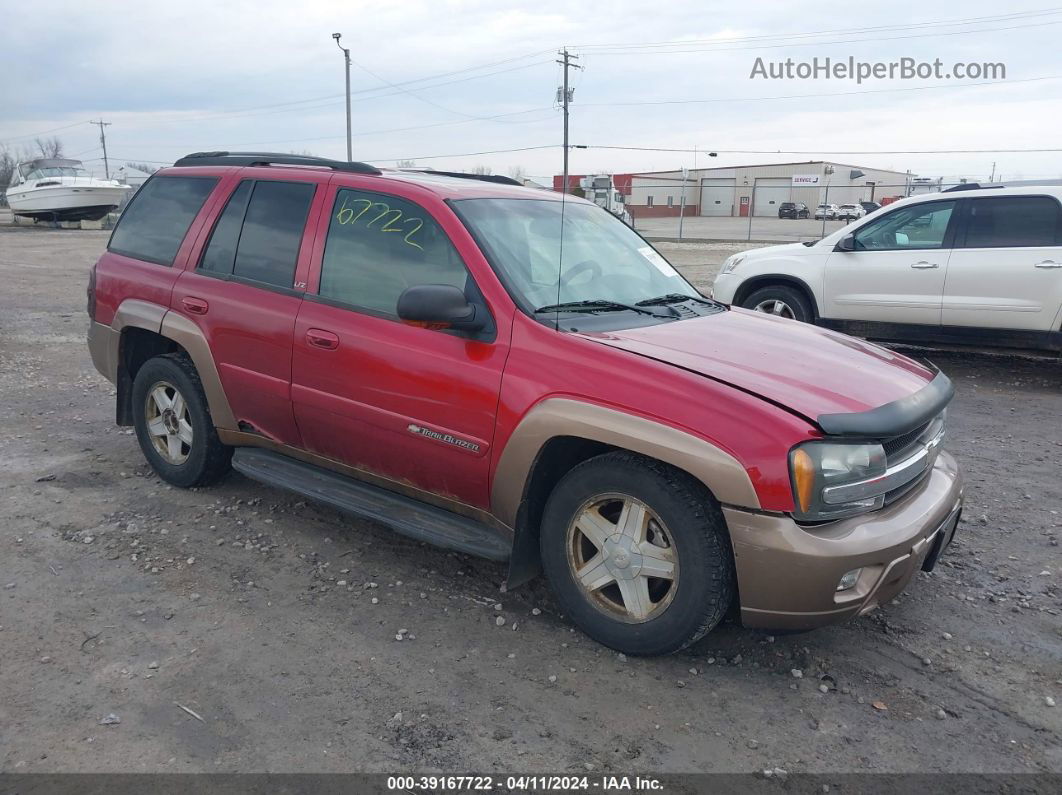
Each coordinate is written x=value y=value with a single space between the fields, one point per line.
x=810 y=370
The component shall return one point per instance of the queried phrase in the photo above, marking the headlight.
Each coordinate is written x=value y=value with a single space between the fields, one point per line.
x=817 y=470
x=731 y=262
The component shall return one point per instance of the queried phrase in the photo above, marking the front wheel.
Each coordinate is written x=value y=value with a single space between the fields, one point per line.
x=780 y=300
x=637 y=554
x=173 y=423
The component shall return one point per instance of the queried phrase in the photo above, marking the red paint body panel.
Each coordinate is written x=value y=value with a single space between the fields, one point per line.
x=544 y=363
x=809 y=369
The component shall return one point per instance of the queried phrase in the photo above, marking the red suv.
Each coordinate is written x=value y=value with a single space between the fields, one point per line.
x=516 y=374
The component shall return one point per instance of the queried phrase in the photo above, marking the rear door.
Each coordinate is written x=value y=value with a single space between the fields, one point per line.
x=242 y=292
x=1006 y=270
x=414 y=405
x=896 y=274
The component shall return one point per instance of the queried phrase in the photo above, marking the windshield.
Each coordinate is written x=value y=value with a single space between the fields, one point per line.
x=598 y=258
x=56 y=171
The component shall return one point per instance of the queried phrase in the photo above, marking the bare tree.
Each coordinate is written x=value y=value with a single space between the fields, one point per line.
x=484 y=170
x=49 y=147
x=519 y=173
x=406 y=164
x=8 y=162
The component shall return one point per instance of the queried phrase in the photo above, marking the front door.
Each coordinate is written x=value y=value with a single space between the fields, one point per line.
x=413 y=405
x=1006 y=270
x=896 y=272
x=242 y=295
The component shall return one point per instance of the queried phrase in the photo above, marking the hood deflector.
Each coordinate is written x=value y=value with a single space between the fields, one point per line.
x=895 y=418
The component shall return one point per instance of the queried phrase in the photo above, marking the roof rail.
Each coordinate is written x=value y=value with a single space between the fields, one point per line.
x=271 y=159
x=498 y=178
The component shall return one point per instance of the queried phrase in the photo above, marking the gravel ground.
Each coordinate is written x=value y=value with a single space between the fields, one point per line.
x=237 y=628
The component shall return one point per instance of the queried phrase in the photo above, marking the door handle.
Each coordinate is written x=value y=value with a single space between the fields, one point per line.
x=923 y=265
x=319 y=338
x=1048 y=263
x=196 y=306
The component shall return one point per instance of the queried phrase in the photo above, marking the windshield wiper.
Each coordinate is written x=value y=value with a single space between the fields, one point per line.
x=600 y=305
x=676 y=298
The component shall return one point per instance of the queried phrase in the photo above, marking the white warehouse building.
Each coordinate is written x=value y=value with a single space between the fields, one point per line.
x=758 y=190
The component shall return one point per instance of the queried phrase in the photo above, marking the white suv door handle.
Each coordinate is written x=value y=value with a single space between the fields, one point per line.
x=923 y=265
x=1048 y=263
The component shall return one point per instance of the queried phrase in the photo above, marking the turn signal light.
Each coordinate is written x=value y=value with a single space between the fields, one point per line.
x=804 y=478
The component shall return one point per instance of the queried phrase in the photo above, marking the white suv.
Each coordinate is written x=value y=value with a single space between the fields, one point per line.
x=982 y=265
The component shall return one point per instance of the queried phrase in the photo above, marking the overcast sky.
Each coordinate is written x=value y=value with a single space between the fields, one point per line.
x=179 y=77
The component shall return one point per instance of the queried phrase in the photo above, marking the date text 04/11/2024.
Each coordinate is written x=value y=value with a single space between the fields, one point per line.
x=538 y=783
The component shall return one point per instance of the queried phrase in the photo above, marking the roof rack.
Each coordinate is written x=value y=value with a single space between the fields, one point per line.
x=271 y=159
x=971 y=186
x=498 y=178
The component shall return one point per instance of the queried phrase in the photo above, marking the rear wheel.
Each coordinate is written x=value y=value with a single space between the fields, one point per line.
x=173 y=423
x=780 y=300
x=637 y=554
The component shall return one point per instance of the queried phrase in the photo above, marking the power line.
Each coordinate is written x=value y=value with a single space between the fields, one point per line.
x=45 y=132
x=837 y=31
x=385 y=159
x=716 y=100
x=825 y=151
x=622 y=51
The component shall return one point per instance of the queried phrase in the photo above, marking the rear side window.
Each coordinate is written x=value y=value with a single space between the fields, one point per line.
x=259 y=233
x=1013 y=221
x=378 y=246
x=157 y=219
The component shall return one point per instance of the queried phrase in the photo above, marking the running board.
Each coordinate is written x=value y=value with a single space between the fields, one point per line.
x=404 y=515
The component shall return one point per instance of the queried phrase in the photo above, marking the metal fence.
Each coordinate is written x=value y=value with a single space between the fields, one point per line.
x=754 y=212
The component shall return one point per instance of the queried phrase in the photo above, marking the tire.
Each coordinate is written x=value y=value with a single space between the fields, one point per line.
x=679 y=512
x=781 y=300
x=198 y=458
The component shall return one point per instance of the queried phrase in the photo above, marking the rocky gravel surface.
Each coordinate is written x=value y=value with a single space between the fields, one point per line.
x=239 y=628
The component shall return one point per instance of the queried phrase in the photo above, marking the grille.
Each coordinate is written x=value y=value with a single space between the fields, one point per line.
x=897 y=448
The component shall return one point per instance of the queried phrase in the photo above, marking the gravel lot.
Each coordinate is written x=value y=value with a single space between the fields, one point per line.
x=239 y=629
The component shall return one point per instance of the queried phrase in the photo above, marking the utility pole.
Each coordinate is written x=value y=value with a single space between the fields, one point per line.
x=346 y=59
x=103 y=142
x=993 y=177
x=565 y=98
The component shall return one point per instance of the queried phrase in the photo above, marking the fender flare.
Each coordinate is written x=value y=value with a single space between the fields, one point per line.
x=134 y=313
x=717 y=469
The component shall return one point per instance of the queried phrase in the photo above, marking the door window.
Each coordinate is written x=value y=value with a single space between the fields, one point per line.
x=1013 y=221
x=157 y=219
x=258 y=235
x=914 y=227
x=378 y=246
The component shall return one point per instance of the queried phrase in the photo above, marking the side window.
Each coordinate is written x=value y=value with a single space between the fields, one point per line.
x=914 y=227
x=272 y=232
x=220 y=254
x=157 y=219
x=1013 y=221
x=377 y=246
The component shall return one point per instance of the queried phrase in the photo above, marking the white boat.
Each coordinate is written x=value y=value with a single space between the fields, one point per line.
x=57 y=189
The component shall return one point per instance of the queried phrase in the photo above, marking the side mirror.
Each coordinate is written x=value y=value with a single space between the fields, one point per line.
x=440 y=306
x=846 y=243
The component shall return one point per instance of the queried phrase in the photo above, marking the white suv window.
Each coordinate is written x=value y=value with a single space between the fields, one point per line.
x=1013 y=221
x=914 y=226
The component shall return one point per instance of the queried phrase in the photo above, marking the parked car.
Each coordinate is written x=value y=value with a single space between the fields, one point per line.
x=869 y=207
x=825 y=211
x=981 y=266
x=849 y=212
x=437 y=352
x=793 y=210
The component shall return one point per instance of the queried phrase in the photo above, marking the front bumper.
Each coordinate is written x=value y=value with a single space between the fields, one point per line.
x=788 y=574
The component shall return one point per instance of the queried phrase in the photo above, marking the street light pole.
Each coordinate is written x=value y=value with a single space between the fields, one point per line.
x=346 y=59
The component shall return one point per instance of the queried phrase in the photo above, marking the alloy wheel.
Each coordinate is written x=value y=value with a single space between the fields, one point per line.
x=773 y=306
x=168 y=424
x=622 y=556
